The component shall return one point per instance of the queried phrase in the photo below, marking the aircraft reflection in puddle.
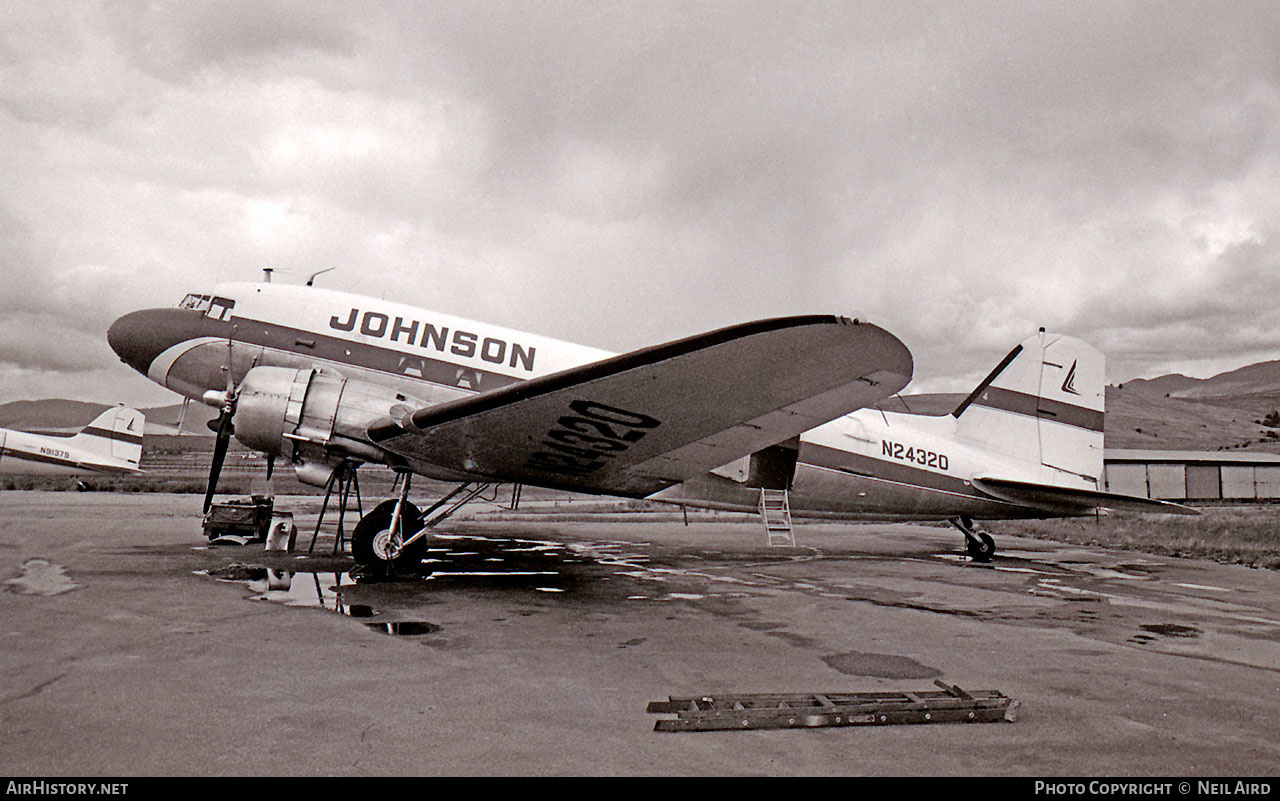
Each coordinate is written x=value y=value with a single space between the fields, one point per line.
x=317 y=590
x=523 y=565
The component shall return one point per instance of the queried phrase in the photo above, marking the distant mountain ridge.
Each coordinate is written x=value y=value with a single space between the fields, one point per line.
x=63 y=416
x=1263 y=377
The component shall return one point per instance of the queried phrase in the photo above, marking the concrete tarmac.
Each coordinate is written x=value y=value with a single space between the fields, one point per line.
x=132 y=649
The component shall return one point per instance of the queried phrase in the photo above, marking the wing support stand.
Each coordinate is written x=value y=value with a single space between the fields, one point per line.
x=981 y=546
x=344 y=481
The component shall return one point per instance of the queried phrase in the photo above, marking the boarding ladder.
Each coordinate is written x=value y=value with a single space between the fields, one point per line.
x=775 y=511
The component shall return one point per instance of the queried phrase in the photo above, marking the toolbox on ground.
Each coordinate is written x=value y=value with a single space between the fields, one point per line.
x=241 y=520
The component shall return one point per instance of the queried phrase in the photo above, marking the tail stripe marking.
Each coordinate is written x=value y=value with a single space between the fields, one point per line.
x=1007 y=400
x=122 y=436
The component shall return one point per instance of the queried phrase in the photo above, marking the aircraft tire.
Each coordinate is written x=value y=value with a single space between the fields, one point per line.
x=369 y=540
x=982 y=548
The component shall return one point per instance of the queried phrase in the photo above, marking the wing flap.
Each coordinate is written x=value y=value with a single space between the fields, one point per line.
x=1071 y=500
x=723 y=447
x=640 y=421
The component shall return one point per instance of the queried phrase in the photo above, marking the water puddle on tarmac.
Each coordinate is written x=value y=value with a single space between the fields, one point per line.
x=454 y=561
x=477 y=563
x=42 y=577
x=1151 y=631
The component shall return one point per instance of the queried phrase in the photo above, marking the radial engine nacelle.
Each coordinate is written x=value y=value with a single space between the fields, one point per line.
x=313 y=417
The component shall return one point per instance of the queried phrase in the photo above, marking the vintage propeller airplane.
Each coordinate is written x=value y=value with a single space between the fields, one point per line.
x=112 y=443
x=777 y=411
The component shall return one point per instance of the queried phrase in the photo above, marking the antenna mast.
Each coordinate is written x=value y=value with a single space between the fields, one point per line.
x=312 y=279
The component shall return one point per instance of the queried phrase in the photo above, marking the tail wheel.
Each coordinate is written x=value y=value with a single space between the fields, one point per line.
x=372 y=544
x=982 y=548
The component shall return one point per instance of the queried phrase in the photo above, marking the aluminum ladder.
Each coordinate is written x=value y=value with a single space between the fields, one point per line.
x=814 y=710
x=775 y=511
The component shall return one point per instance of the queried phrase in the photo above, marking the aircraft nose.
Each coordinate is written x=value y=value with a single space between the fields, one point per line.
x=139 y=337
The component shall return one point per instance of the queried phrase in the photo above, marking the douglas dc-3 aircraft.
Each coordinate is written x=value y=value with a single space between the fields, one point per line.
x=112 y=443
x=726 y=420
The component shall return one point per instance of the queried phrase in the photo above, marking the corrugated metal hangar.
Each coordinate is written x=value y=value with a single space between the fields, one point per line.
x=1193 y=475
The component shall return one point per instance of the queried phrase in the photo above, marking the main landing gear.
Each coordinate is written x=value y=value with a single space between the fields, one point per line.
x=378 y=541
x=391 y=539
x=982 y=548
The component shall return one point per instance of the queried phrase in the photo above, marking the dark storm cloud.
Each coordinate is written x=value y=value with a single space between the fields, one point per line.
x=178 y=41
x=622 y=173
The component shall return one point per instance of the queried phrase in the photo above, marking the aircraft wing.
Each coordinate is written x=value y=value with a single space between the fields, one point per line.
x=635 y=423
x=1067 y=499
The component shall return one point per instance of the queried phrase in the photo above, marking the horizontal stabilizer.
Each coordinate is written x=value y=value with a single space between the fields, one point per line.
x=1072 y=500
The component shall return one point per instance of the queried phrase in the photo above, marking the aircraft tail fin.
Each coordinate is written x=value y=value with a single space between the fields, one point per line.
x=116 y=433
x=1044 y=402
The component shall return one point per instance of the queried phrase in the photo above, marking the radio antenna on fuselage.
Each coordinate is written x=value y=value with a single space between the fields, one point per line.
x=318 y=272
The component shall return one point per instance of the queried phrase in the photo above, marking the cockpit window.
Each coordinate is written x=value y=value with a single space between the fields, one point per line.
x=220 y=308
x=212 y=306
x=200 y=302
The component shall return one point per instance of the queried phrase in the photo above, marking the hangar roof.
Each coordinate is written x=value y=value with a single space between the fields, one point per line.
x=1190 y=457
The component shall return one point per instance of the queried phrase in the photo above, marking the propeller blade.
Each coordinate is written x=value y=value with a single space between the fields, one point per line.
x=271 y=464
x=219 y=455
x=224 y=426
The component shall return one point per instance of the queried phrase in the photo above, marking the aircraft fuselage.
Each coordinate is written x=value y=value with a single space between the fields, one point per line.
x=870 y=464
x=26 y=454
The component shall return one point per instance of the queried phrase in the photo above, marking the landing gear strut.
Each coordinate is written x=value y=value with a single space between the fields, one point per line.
x=982 y=548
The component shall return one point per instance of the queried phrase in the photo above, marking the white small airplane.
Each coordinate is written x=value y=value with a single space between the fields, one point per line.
x=112 y=443
x=766 y=412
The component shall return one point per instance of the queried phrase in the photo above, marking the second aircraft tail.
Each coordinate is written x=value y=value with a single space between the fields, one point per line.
x=116 y=433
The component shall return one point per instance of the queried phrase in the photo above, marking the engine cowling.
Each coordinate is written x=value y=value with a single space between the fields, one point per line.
x=312 y=415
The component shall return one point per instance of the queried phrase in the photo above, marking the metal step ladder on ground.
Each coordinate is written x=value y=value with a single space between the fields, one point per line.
x=814 y=710
x=775 y=511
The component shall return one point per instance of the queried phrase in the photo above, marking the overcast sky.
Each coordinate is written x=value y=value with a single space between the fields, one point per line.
x=621 y=174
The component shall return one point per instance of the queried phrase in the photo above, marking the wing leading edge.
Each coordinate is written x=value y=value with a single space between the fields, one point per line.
x=635 y=423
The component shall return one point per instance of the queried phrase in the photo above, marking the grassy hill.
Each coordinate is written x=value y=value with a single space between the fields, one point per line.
x=49 y=415
x=1261 y=378
x=1139 y=420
